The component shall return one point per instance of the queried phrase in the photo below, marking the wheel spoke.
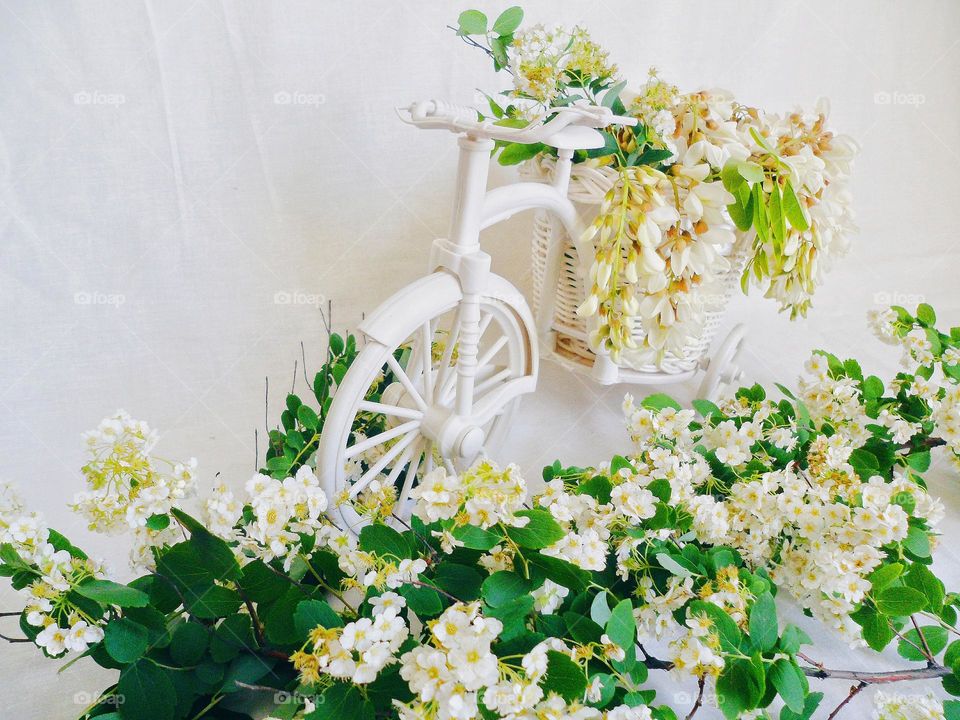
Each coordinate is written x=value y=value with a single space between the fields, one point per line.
x=409 y=479
x=490 y=382
x=491 y=351
x=405 y=381
x=401 y=463
x=374 y=470
x=394 y=410
x=426 y=359
x=380 y=438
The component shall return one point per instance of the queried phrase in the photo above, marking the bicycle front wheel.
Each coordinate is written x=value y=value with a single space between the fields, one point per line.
x=393 y=420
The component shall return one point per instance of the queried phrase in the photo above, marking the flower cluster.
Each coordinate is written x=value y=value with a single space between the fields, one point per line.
x=702 y=187
x=456 y=664
x=544 y=61
x=127 y=485
x=129 y=488
x=669 y=232
x=359 y=650
x=50 y=572
x=280 y=512
x=897 y=706
x=484 y=495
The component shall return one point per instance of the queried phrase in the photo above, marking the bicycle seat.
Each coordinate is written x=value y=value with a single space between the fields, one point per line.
x=575 y=137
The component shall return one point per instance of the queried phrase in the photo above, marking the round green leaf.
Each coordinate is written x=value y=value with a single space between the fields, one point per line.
x=125 y=640
x=188 y=644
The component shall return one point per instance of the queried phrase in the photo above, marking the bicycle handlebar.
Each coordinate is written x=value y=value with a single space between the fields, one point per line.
x=437 y=114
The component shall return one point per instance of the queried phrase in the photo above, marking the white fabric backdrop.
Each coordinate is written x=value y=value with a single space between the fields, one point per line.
x=183 y=183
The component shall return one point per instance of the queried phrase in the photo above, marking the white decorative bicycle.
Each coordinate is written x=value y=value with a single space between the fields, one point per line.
x=447 y=358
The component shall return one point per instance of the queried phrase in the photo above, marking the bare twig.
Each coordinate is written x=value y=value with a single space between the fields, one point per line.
x=923 y=639
x=699 y=700
x=303 y=357
x=853 y=693
x=821 y=673
x=14 y=640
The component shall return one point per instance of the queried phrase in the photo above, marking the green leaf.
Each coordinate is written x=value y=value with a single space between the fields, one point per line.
x=516 y=153
x=188 y=643
x=790 y=683
x=541 y=531
x=308 y=417
x=677 y=565
x=872 y=387
x=148 y=692
x=246 y=669
x=884 y=575
x=919 y=577
x=476 y=538
x=107 y=592
x=740 y=687
x=125 y=640
x=659 y=401
x=314 y=613
x=876 y=629
x=919 y=461
x=764 y=630
x=750 y=171
x=792 y=208
x=503 y=587
x=210 y=602
x=423 y=601
x=599 y=609
x=951 y=710
x=731 y=638
x=508 y=21
x=461 y=581
x=621 y=628
x=564 y=677
x=926 y=315
x=513 y=615
x=900 y=601
x=558 y=570
x=472 y=22
x=340 y=701
x=158 y=522
x=810 y=705
x=613 y=94
x=917 y=542
x=279 y=466
x=731 y=177
x=909 y=647
x=706 y=408
x=777 y=220
x=215 y=553
x=260 y=584
x=385 y=542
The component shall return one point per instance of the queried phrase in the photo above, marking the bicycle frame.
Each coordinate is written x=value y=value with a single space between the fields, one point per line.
x=475 y=209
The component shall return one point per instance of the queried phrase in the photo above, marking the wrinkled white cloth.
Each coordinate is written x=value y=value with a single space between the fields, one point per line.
x=184 y=184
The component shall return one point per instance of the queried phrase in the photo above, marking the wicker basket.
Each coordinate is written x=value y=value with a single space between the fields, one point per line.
x=588 y=185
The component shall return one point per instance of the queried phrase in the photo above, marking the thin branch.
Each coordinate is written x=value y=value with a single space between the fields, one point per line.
x=821 y=673
x=923 y=639
x=878 y=678
x=696 y=705
x=853 y=693
x=303 y=356
x=14 y=640
x=255 y=621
